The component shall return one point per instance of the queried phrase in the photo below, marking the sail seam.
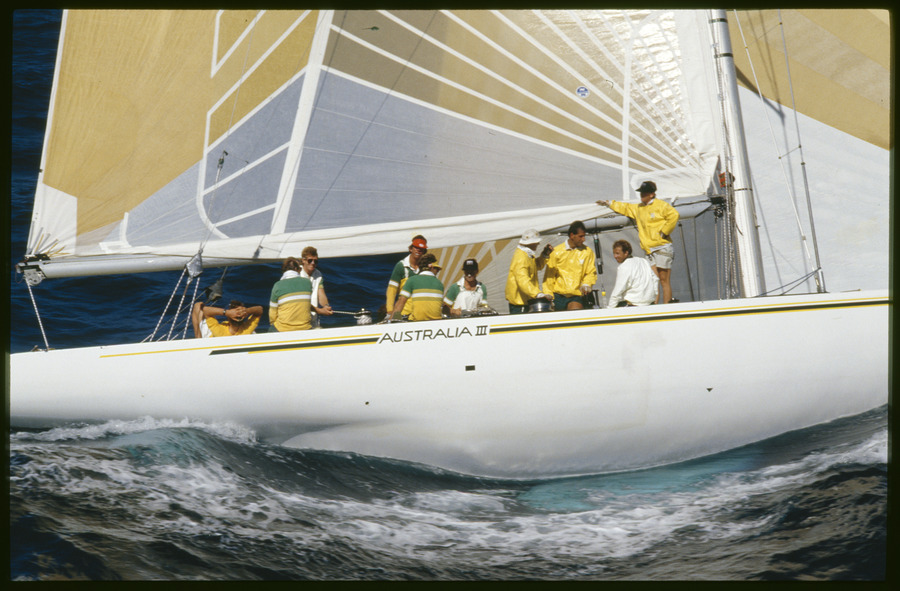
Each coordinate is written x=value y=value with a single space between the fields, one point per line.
x=302 y=122
x=653 y=160
x=217 y=64
x=230 y=94
x=669 y=143
x=535 y=72
x=481 y=96
x=249 y=166
x=256 y=65
x=674 y=114
x=474 y=121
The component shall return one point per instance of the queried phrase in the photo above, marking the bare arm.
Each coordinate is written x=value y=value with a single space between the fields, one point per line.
x=401 y=301
x=196 y=312
x=251 y=311
x=323 y=308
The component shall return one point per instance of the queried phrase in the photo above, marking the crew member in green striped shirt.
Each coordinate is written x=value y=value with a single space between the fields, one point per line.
x=424 y=291
x=289 y=305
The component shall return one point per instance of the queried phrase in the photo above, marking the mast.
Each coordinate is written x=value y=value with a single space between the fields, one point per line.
x=746 y=235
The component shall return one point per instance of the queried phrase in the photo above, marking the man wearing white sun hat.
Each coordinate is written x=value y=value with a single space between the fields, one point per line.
x=522 y=283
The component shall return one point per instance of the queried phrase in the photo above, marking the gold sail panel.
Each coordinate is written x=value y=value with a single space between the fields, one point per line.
x=97 y=149
x=452 y=258
x=123 y=125
x=275 y=49
x=232 y=25
x=840 y=65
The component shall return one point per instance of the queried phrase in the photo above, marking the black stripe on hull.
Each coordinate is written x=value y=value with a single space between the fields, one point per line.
x=288 y=346
x=703 y=314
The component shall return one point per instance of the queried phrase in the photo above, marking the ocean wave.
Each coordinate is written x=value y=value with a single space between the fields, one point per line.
x=99 y=431
x=171 y=499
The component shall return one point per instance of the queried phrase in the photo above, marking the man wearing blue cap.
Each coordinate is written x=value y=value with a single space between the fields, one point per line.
x=655 y=221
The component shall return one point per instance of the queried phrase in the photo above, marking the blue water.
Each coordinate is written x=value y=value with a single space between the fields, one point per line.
x=164 y=500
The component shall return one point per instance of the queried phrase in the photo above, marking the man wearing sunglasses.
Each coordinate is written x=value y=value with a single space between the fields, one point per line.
x=309 y=261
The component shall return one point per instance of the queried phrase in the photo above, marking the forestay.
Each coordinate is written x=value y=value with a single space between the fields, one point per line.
x=247 y=135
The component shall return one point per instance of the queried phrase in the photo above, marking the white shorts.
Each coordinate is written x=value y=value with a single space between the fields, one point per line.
x=662 y=257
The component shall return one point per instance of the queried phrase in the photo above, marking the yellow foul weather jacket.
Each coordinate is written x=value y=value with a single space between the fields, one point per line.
x=522 y=282
x=652 y=219
x=568 y=269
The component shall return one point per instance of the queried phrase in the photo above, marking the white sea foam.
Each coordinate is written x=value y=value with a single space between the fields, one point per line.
x=447 y=523
x=225 y=429
x=606 y=517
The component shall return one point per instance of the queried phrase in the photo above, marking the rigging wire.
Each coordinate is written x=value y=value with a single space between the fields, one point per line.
x=787 y=287
x=166 y=309
x=819 y=277
x=38 y=315
x=179 y=308
x=190 y=309
x=686 y=264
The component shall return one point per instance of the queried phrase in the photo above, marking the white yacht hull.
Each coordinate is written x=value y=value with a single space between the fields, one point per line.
x=558 y=393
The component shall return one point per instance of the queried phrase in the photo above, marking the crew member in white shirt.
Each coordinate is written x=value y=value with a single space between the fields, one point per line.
x=636 y=283
x=309 y=259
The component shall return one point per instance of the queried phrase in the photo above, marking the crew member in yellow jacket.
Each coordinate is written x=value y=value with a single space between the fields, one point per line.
x=239 y=319
x=522 y=284
x=571 y=270
x=655 y=221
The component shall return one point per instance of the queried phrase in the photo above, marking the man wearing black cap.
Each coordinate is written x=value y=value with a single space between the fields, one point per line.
x=655 y=221
x=468 y=293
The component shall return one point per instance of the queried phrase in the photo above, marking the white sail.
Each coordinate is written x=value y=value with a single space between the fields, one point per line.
x=246 y=134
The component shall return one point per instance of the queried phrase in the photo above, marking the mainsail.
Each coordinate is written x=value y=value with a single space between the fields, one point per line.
x=246 y=135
